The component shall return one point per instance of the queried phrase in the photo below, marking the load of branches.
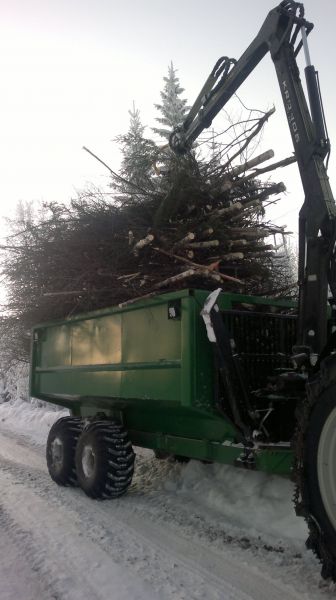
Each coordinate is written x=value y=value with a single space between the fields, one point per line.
x=172 y=223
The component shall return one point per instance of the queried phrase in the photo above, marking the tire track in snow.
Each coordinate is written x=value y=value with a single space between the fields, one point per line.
x=134 y=551
x=158 y=505
x=186 y=561
x=153 y=506
x=17 y=552
x=77 y=568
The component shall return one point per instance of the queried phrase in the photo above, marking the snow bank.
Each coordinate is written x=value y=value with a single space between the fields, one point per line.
x=32 y=419
x=14 y=382
x=251 y=501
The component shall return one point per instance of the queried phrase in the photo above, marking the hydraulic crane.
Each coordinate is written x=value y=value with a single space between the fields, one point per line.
x=278 y=36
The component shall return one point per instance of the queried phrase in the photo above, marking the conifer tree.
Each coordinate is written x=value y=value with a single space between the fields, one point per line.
x=173 y=107
x=137 y=152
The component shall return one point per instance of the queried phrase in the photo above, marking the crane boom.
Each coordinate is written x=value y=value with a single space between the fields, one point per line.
x=278 y=36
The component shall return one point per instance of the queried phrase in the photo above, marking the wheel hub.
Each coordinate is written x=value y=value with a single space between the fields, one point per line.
x=88 y=460
x=57 y=453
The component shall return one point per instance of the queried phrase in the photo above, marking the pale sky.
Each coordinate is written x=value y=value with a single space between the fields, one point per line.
x=70 y=70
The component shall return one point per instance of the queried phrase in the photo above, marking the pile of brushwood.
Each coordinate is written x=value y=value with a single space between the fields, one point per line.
x=189 y=223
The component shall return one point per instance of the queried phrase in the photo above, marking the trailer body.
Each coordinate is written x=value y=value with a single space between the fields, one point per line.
x=150 y=366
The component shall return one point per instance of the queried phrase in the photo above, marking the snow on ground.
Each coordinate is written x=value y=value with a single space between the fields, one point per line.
x=33 y=418
x=247 y=500
x=256 y=502
x=200 y=531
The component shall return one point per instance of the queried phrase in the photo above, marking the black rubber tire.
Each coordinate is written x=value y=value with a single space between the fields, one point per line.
x=313 y=495
x=104 y=460
x=63 y=434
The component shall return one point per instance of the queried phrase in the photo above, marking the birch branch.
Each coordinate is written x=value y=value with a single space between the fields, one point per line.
x=207 y=244
x=227 y=185
x=188 y=238
x=175 y=279
x=142 y=243
x=233 y=256
x=257 y=160
x=197 y=266
x=228 y=210
x=206 y=233
x=277 y=165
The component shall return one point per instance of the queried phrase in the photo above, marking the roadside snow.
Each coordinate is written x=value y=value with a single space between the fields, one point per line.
x=201 y=531
x=30 y=418
x=249 y=501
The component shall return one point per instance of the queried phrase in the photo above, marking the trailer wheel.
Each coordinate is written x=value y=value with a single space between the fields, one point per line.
x=104 y=460
x=61 y=448
x=320 y=479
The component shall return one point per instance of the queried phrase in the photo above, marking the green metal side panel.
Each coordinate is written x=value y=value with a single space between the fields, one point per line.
x=153 y=343
x=134 y=355
x=131 y=354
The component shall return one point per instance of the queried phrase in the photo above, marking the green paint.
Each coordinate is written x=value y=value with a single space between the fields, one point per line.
x=155 y=373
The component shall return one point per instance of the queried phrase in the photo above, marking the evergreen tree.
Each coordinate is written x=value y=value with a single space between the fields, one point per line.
x=173 y=107
x=137 y=153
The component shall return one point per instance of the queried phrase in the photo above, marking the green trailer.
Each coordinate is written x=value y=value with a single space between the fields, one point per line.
x=150 y=368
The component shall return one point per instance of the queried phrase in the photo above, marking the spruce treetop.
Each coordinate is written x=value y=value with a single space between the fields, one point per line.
x=173 y=107
x=137 y=151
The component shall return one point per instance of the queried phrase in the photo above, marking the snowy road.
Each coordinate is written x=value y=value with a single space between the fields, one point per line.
x=169 y=538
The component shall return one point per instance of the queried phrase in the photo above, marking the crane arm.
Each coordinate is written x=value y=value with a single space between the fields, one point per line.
x=278 y=36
